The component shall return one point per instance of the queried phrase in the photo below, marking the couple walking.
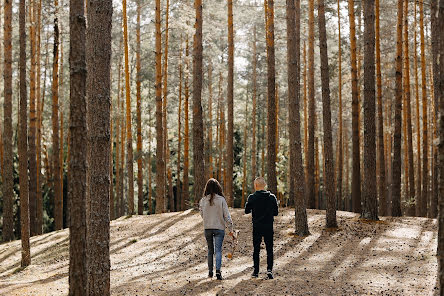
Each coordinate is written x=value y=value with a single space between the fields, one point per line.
x=214 y=211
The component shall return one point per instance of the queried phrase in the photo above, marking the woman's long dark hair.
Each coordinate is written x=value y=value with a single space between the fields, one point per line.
x=211 y=188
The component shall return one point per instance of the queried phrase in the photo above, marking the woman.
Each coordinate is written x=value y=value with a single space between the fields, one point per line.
x=214 y=211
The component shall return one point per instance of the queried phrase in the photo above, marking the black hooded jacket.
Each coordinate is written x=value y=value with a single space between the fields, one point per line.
x=263 y=205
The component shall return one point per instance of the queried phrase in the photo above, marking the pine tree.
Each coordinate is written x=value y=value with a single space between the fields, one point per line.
x=98 y=61
x=253 y=115
x=77 y=189
x=326 y=112
x=411 y=172
x=396 y=174
x=340 y=159
x=230 y=88
x=311 y=195
x=381 y=153
x=23 y=142
x=440 y=98
x=139 y=119
x=32 y=121
x=425 y=143
x=129 y=134
x=198 y=137
x=8 y=194
x=58 y=195
x=160 y=163
x=297 y=178
x=370 y=202
x=186 y=142
x=356 y=174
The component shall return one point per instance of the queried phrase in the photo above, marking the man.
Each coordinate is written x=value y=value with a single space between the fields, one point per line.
x=264 y=207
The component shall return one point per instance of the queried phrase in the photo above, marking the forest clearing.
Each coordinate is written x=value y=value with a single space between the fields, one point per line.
x=165 y=254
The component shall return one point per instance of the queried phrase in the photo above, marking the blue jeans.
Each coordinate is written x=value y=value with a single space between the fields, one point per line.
x=215 y=238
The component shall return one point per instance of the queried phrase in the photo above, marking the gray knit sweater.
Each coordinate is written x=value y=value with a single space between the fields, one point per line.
x=215 y=216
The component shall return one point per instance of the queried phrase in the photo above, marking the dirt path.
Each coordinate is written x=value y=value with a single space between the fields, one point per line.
x=166 y=255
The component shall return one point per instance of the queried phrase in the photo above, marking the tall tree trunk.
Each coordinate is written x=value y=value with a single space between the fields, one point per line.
x=356 y=173
x=411 y=170
x=381 y=156
x=77 y=178
x=297 y=178
x=370 y=205
x=271 y=92
x=305 y=123
x=122 y=143
x=139 y=120
x=340 y=160
x=198 y=137
x=230 y=88
x=435 y=65
x=32 y=122
x=39 y=179
x=425 y=143
x=23 y=142
x=253 y=115
x=129 y=134
x=329 y=173
x=418 y=126
x=160 y=163
x=111 y=164
x=311 y=197
x=210 y=120
x=179 y=134
x=98 y=60
x=8 y=193
x=244 y=158
x=169 y=203
x=58 y=196
x=186 y=142
x=440 y=98
x=396 y=169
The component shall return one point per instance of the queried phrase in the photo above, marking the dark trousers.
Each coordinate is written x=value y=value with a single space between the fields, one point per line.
x=267 y=234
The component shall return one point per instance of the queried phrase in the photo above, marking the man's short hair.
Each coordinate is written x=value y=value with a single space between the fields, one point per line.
x=260 y=181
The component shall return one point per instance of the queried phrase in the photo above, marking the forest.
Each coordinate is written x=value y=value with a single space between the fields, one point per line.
x=116 y=113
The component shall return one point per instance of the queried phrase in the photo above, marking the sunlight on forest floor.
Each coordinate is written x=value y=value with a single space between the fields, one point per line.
x=166 y=255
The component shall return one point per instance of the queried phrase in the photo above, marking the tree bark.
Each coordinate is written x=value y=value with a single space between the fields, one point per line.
x=160 y=162
x=381 y=156
x=32 y=123
x=425 y=143
x=230 y=88
x=23 y=142
x=129 y=134
x=186 y=148
x=370 y=205
x=58 y=196
x=179 y=134
x=253 y=115
x=356 y=173
x=8 y=194
x=440 y=98
x=77 y=186
x=297 y=177
x=418 y=126
x=39 y=179
x=396 y=168
x=98 y=60
x=311 y=196
x=435 y=66
x=329 y=173
x=340 y=160
x=411 y=170
x=139 y=119
x=198 y=137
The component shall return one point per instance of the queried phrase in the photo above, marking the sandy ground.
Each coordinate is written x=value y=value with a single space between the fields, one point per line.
x=166 y=255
